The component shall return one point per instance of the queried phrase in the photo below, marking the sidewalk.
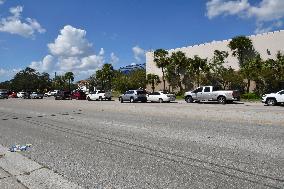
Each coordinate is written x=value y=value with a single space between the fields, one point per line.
x=19 y=172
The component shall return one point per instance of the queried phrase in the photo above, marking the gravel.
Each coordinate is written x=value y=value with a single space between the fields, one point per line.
x=171 y=145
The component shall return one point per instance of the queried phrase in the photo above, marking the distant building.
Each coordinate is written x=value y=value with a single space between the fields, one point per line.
x=267 y=44
x=129 y=68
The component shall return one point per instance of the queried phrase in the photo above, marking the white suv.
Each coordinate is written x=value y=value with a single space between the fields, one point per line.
x=273 y=99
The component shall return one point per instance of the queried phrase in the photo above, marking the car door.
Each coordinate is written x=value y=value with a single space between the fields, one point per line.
x=281 y=96
x=206 y=94
x=198 y=93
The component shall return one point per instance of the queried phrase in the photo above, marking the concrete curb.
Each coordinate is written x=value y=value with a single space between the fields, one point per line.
x=17 y=171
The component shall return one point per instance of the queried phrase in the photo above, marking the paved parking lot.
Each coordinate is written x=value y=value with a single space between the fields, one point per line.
x=171 y=145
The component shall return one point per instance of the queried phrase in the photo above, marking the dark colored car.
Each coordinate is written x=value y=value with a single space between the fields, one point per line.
x=3 y=94
x=63 y=95
x=78 y=95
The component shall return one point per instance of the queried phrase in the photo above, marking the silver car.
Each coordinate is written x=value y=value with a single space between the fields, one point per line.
x=134 y=96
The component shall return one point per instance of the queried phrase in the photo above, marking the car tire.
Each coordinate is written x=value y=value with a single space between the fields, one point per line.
x=121 y=100
x=88 y=98
x=100 y=98
x=131 y=100
x=271 y=102
x=189 y=99
x=160 y=100
x=221 y=100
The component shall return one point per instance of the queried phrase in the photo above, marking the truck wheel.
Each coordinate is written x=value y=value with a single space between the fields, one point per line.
x=188 y=99
x=271 y=102
x=160 y=100
x=131 y=100
x=221 y=100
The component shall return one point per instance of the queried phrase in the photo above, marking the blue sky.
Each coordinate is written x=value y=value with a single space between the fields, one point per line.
x=81 y=35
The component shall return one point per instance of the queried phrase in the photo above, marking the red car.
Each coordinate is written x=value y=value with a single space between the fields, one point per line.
x=78 y=95
x=12 y=95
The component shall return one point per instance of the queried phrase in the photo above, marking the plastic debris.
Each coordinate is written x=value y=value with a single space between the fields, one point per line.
x=18 y=148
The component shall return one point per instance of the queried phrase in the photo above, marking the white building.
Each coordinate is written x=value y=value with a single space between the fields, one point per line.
x=267 y=44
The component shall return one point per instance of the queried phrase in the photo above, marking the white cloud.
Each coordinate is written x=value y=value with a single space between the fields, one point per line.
x=46 y=65
x=8 y=73
x=71 y=51
x=138 y=53
x=2 y=72
x=219 y=7
x=14 y=25
x=113 y=59
x=70 y=42
x=2 y=2
x=268 y=13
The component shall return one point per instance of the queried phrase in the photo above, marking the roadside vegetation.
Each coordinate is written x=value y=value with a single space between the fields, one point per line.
x=179 y=72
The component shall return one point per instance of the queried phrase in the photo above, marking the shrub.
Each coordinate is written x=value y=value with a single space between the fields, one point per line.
x=250 y=96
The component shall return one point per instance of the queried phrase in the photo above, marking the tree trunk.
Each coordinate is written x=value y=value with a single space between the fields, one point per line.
x=164 y=81
x=248 y=85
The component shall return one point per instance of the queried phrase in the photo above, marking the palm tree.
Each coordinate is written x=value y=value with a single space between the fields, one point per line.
x=161 y=60
x=242 y=48
x=70 y=77
x=153 y=80
x=198 y=66
x=179 y=62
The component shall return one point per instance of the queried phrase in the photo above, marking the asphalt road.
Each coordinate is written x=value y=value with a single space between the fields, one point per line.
x=170 y=145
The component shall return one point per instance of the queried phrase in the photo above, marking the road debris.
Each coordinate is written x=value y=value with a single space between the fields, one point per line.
x=18 y=148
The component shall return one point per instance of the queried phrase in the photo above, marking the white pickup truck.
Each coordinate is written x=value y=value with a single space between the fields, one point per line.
x=99 y=95
x=209 y=93
x=273 y=99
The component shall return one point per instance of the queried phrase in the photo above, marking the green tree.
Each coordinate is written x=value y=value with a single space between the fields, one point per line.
x=196 y=67
x=26 y=80
x=251 y=70
x=105 y=77
x=153 y=80
x=162 y=61
x=177 y=67
x=242 y=48
x=70 y=77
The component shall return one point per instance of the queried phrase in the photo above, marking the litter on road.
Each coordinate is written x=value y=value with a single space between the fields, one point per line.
x=18 y=148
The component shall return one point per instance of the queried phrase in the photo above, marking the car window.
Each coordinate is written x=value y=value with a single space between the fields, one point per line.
x=141 y=92
x=198 y=90
x=207 y=89
x=281 y=92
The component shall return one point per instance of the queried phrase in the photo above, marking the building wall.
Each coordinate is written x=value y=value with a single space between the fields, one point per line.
x=271 y=41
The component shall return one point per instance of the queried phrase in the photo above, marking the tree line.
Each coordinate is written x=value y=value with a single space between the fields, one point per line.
x=178 y=71
x=29 y=80
x=183 y=73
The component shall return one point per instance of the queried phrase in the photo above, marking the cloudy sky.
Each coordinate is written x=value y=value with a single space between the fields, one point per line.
x=82 y=35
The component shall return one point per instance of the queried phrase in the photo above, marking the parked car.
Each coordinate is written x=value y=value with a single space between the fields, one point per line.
x=13 y=95
x=63 y=95
x=78 y=95
x=36 y=95
x=27 y=95
x=209 y=93
x=99 y=95
x=273 y=99
x=134 y=96
x=51 y=93
x=21 y=94
x=3 y=94
x=161 y=96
